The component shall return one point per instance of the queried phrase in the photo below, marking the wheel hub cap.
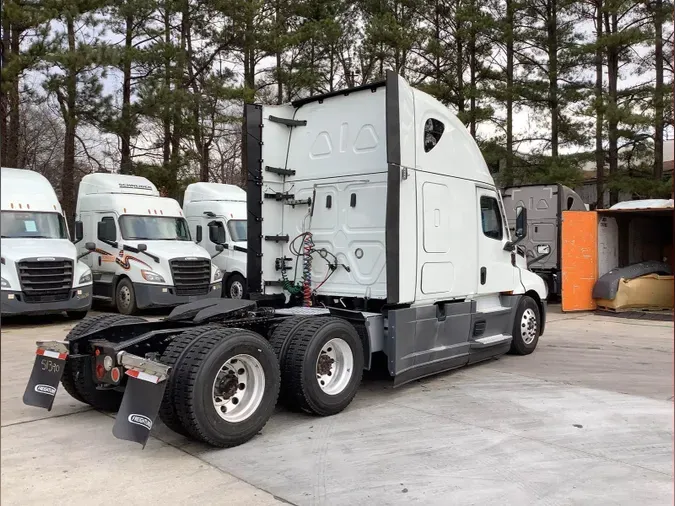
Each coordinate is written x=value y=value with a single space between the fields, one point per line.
x=236 y=290
x=238 y=388
x=528 y=326
x=125 y=296
x=334 y=366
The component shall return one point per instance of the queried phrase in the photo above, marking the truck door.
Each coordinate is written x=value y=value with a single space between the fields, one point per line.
x=495 y=269
x=104 y=259
x=87 y=228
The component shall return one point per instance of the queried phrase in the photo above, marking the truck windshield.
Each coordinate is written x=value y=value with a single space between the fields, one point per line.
x=31 y=225
x=154 y=228
x=237 y=230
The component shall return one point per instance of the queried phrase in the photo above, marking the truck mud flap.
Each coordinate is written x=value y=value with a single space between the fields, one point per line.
x=142 y=398
x=50 y=360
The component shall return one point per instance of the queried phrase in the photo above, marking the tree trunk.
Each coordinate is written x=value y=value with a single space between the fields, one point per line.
x=4 y=97
x=599 y=113
x=14 y=114
x=473 y=64
x=68 y=177
x=280 y=28
x=166 y=112
x=460 y=71
x=125 y=134
x=658 y=91
x=611 y=27
x=508 y=177
x=553 y=76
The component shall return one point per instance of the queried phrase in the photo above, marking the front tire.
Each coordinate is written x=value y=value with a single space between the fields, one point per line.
x=235 y=288
x=125 y=297
x=526 y=327
x=323 y=366
x=227 y=386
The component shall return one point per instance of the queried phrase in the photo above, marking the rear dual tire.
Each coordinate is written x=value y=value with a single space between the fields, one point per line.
x=321 y=361
x=225 y=386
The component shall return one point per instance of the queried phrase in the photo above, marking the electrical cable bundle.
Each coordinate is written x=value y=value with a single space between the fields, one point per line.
x=308 y=249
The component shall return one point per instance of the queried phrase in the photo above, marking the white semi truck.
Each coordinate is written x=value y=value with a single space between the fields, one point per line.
x=220 y=210
x=374 y=227
x=41 y=272
x=144 y=255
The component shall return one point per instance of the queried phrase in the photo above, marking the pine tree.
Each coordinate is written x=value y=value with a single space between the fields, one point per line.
x=18 y=57
x=129 y=20
x=77 y=86
x=625 y=27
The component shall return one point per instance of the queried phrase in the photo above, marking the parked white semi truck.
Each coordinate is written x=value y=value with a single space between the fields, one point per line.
x=220 y=210
x=144 y=256
x=41 y=273
x=374 y=227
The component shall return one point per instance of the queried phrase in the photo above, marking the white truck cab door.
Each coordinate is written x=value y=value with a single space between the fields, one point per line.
x=496 y=272
x=104 y=260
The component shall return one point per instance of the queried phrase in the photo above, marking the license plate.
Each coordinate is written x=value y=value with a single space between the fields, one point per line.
x=44 y=379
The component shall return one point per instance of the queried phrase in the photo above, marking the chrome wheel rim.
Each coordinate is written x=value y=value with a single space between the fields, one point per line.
x=334 y=366
x=236 y=290
x=238 y=388
x=528 y=326
x=125 y=296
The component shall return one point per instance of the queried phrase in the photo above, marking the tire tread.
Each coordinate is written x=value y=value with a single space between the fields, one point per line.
x=293 y=375
x=186 y=380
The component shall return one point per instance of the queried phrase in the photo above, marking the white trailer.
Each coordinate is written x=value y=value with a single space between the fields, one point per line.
x=144 y=255
x=374 y=226
x=41 y=273
x=220 y=210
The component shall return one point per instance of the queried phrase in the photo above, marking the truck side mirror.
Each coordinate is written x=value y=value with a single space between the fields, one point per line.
x=90 y=246
x=216 y=233
x=198 y=238
x=521 y=223
x=106 y=231
x=79 y=231
x=220 y=247
x=142 y=247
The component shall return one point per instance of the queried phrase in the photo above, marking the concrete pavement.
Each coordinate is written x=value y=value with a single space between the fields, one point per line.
x=586 y=419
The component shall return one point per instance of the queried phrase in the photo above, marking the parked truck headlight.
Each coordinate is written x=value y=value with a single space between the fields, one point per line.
x=86 y=277
x=5 y=283
x=218 y=275
x=153 y=277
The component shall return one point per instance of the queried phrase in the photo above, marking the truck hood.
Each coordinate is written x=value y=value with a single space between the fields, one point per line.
x=18 y=249
x=172 y=249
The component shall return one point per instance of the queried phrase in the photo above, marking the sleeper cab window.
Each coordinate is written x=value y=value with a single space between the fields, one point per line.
x=433 y=130
x=491 y=218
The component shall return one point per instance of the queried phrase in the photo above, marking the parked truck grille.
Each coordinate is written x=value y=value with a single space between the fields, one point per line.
x=191 y=277
x=45 y=281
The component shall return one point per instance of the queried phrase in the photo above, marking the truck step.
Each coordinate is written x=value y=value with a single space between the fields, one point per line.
x=486 y=342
